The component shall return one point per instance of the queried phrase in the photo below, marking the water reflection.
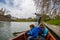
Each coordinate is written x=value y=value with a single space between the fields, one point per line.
x=7 y=28
x=5 y=32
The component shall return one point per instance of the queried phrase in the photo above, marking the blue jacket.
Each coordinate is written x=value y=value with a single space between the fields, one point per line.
x=34 y=32
x=45 y=32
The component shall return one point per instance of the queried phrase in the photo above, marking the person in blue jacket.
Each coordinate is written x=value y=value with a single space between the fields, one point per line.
x=34 y=32
x=44 y=30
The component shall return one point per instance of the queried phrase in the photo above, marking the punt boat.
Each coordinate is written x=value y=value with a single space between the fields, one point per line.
x=24 y=36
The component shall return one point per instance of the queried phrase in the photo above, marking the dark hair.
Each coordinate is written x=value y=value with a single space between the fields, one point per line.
x=32 y=25
x=35 y=13
x=42 y=25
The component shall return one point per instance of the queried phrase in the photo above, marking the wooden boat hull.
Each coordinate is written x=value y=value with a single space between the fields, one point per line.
x=24 y=37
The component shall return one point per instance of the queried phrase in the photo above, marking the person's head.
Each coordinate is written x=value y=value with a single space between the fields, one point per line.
x=42 y=25
x=31 y=26
x=35 y=13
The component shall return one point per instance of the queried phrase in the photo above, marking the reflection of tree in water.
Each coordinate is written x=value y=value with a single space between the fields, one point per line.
x=8 y=27
x=5 y=30
x=1 y=24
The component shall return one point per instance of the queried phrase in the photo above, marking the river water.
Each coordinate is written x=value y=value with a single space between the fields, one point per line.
x=8 y=28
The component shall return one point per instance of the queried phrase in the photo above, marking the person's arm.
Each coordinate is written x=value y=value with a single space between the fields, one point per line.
x=37 y=14
x=30 y=32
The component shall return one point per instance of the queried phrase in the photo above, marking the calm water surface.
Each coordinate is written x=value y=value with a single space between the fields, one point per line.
x=7 y=28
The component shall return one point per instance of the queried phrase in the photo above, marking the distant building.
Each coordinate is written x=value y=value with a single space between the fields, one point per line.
x=8 y=15
x=14 y=18
x=29 y=19
x=2 y=11
x=4 y=17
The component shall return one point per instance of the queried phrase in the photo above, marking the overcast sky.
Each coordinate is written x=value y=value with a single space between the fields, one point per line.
x=19 y=8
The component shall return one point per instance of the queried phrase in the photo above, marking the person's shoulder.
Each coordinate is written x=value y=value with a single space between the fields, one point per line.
x=46 y=29
x=35 y=27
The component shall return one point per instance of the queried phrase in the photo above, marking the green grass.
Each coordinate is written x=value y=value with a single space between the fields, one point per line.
x=54 y=22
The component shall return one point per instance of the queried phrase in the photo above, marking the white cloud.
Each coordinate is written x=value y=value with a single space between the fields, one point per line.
x=20 y=8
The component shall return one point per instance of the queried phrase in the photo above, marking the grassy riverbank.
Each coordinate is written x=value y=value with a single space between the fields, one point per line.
x=54 y=22
x=25 y=20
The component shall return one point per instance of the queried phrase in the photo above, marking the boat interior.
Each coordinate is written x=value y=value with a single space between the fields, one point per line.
x=24 y=36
